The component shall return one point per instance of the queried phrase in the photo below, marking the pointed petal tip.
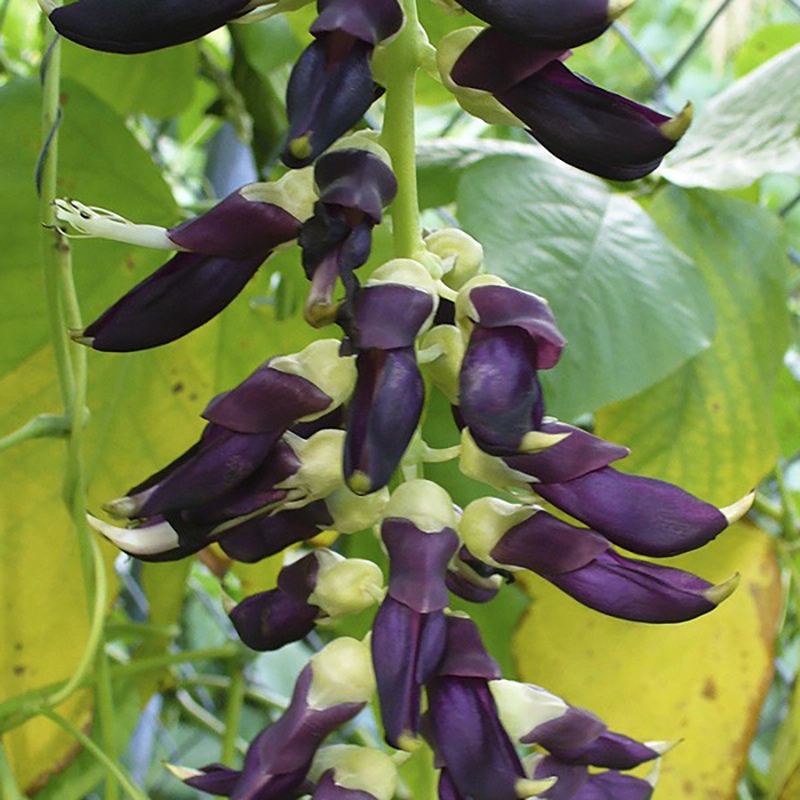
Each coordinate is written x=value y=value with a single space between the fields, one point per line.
x=183 y=773
x=121 y=508
x=716 y=594
x=145 y=541
x=529 y=788
x=675 y=128
x=77 y=336
x=616 y=8
x=662 y=747
x=734 y=512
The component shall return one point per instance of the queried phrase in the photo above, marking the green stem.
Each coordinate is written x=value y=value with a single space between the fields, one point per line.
x=233 y=713
x=18 y=710
x=105 y=703
x=40 y=427
x=403 y=59
x=206 y=718
x=111 y=767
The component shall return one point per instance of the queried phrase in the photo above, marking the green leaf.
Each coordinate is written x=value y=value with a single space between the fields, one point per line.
x=764 y=44
x=710 y=426
x=787 y=406
x=160 y=84
x=633 y=308
x=745 y=132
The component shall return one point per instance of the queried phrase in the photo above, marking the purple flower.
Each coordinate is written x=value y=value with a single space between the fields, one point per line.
x=220 y=251
x=331 y=84
x=501 y=77
x=354 y=187
x=319 y=587
x=387 y=402
x=335 y=685
x=408 y=634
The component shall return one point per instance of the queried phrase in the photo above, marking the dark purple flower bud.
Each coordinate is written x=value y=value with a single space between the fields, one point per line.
x=609 y=750
x=329 y=90
x=409 y=632
x=138 y=26
x=320 y=586
x=335 y=685
x=590 y=128
x=221 y=251
x=447 y=790
x=465 y=730
x=549 y=23
x=213 y=778
x=641 y=591
x=643 y=515
x=370 y=22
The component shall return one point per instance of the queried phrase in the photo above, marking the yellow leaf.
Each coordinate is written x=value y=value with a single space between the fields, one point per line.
x=701 y=682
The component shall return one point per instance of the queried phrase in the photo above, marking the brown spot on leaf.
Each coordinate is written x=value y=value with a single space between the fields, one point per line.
x=177 y=388
x=18 y=669
x=709 y=689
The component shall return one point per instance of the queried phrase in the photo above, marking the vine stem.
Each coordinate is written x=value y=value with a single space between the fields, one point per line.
x=233 y=713
x=402 y=61
x=71 y=365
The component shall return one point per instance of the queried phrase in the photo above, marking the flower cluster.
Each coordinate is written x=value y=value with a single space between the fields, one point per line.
x=312 y=441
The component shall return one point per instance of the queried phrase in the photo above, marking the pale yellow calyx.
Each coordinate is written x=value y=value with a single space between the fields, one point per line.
x=536 y=441
x=474 y=463
x=346 y=586
x=405 y=271
x=734 y=512
x=444 y=367
x=321 y=364
x=523 y=707
x=722 y=591
x=91 y=221
x=476 y=102
x=616 y=8
x=320 y=471
x=363 y=140
x=424 y=503
x=293 y=192
x=675 y=128
x=122 y=507
x=341 y=673
x=459 y=251
x=352 y=512
x=662 y=747
x=357 y=768
x=529 y=789
x=486 y=521
x=145 y=541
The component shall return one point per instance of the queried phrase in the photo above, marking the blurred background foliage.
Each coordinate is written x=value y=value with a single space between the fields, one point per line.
x=679 y=297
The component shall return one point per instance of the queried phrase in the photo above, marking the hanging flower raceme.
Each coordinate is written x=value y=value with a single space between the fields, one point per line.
x=334 y=686
x=473 y=750
x=354 y=187
x=504 y=79
x=219 y=252
x=575 y=740
x=331 y=85
x=396 y=304
x=582 y=563
x=249 y=469
x=316 y=589
x=507 y=441
x=408 y=638
x=139 y=26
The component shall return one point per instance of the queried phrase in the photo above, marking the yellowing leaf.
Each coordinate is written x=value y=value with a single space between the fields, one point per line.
x=701 y=682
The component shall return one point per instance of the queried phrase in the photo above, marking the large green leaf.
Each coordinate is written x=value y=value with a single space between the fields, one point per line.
x=710 y=425
x=632 y=307
x=160 y=84
x=745 y=132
